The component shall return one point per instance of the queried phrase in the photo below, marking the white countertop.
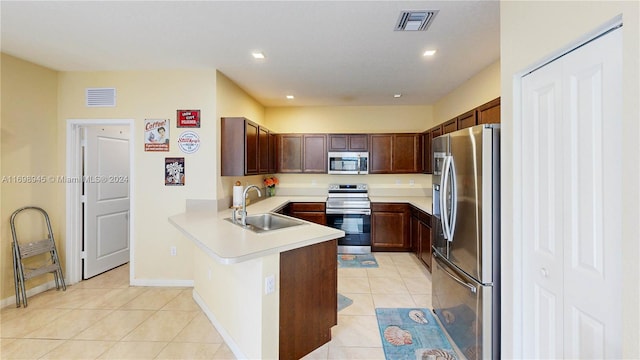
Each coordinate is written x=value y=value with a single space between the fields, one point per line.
x=228 y=243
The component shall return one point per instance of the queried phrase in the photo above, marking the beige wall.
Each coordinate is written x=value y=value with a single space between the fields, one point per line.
x=233 y=101
x=350 y=119
x=526 y=41
x=479 y=89
x=29 y=140
x=153 y=95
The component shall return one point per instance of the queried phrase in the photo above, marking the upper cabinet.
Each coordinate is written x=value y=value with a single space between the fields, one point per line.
x=348 y=142
x=489 y=113
x=245 y=147
x=467 y=119
x=395 y=153
x=302 y=153
x=450 y=126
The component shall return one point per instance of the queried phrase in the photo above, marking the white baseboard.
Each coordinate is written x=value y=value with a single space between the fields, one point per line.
x=225 y=335
x=30 y=292
x=161 y=282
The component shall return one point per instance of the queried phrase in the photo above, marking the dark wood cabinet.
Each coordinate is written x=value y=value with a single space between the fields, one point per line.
x=314 y=153
x=450 y=126
x=273 y=153
x=244 y=147
x=313 y=212
x=467 y=119
x=489 y=113
x=436 y=131
x=348 y=142
x=421 y=235
x=390 y=227
x=302 y=153
x=308 y=298
x=395 y=153
x=426 y=152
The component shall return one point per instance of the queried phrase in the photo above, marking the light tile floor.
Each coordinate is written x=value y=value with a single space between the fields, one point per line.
x=105 y=318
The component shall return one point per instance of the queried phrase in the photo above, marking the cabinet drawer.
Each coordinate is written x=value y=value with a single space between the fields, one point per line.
x=307 y=207
x=392 y=207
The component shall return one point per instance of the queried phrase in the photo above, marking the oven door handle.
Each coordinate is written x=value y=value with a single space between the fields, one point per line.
x=348 y=211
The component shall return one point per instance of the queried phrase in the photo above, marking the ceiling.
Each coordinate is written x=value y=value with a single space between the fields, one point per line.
x=323 y=52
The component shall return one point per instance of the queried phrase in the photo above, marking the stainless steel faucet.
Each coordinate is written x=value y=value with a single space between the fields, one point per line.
x=243 y=212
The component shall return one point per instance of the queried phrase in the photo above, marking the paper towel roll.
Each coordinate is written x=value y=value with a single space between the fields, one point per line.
x=237 y=195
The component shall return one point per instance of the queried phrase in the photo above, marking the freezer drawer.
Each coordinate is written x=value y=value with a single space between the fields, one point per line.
x=464 y=307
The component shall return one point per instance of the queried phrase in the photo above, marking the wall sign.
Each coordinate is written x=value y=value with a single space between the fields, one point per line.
x=156 y=134
x=189 y=142
x=188 y=118
x=174 y=171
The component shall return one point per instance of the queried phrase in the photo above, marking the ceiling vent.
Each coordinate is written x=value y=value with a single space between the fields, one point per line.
x=415 y=20
x=101 y=97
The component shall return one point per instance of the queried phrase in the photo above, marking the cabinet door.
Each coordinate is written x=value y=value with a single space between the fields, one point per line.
x=489 y=113
x=450 y=126
x=358 y=142
x=251 y=148
x=436 y=131
x=273 y=152
x=390 y=227
x=406 y=153
x=380 y=153
x=467 y=119
x=338 y=142
x=426 y=152
x=263 y=150
x=315 y=153
x=290 y=153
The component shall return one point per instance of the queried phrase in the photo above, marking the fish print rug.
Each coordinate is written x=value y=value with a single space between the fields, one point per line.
x=357 y=261
x=412 y=333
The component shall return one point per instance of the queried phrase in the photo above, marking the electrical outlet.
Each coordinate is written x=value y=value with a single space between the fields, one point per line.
x=398 y=182
x=411 y=182
x=174 y=251
x=269 y=284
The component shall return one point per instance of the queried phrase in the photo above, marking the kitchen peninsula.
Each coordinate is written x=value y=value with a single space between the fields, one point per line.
x=243 y=280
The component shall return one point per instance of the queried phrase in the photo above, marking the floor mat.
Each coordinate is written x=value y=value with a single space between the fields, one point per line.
x=412 y=333
x=343 y=301
x=357 y=261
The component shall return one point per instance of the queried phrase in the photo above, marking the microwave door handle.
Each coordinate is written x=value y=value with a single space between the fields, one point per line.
x=454 y=198
x=443 y=198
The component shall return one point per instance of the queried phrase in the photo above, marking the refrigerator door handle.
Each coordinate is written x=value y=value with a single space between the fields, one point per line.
x=454 y=198
x=459 y=281
x=443 y=198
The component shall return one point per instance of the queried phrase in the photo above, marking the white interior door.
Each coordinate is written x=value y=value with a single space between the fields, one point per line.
x=106 y=198
x=571 y=204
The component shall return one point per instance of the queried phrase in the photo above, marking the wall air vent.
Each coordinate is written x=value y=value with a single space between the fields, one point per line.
x=415 y=20
x=101 y=97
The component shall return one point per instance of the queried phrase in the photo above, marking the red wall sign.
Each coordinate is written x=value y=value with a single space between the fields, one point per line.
x=188 y=118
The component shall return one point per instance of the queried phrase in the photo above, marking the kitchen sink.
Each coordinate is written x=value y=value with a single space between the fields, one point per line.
x=260 y=223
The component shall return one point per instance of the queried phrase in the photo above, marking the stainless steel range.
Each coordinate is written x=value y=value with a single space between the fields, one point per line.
x=348 y=208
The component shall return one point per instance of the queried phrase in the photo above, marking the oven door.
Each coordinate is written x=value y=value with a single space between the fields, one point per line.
x=356 y=225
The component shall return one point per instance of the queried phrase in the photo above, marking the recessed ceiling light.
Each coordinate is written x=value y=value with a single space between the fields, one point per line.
x=429 y=53
x=257 y=55
x=397 y=95
x=290 y=97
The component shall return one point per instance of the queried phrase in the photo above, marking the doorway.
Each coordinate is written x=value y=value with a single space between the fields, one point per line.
x=99 y=188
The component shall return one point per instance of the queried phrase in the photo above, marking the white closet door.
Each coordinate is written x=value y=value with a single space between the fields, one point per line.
x=571 y=204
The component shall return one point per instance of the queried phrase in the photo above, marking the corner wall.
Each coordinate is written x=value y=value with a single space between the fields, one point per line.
x=28 y=146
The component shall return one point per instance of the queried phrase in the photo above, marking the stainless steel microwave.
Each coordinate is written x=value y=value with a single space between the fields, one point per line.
x=348 y=163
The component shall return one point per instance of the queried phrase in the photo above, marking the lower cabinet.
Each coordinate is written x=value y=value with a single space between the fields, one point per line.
x=308 y=298
x=390 y=227
x=421 y=236
x=313 y=212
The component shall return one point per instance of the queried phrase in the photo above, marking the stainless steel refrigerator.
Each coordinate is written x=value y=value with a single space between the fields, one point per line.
x=466 y=241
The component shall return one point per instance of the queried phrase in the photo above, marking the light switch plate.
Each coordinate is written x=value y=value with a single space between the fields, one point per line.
x=269 y=284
